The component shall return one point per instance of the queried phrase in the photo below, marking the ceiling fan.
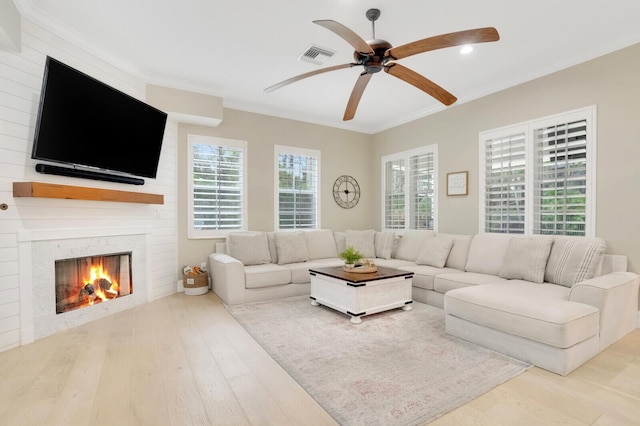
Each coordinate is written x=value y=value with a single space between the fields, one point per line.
x=376 y=55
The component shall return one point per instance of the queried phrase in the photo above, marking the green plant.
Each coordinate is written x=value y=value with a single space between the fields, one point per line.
x=350 y=255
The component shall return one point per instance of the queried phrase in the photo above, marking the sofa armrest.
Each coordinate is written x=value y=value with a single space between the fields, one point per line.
x=227 y=278
x=616 y=296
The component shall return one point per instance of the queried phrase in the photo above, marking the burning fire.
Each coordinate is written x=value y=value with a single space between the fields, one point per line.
x=100 y=284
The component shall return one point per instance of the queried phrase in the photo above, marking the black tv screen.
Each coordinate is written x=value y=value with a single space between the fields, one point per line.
x=84 y=122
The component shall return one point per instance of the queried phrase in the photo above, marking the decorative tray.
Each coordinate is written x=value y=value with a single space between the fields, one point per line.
x=361 y=269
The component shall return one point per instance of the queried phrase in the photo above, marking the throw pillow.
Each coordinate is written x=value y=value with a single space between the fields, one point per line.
x=321 y=244
x=574 y=259
x=362 y=241
x=459 y=252
x=273 y=250
x=486 y=253
x=411 y=243
x=292 y=247
x=434 y=251
x=384 y=242
x=526 y=258
x=250 y=248
x=341 y=240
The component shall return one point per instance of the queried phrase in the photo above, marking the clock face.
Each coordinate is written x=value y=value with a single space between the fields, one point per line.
x=346 y=191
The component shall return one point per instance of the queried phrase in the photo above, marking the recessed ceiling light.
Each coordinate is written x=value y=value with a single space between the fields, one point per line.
x=466 y=49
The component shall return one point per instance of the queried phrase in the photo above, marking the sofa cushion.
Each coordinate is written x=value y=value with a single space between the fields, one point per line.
x=299 y=272
x=434 y=251
x=487 y=252
x=321 y=244
x=273 y=250
x=423 y=275
x=324 y=263
x=341 y=240
x=384 y=243
x=442 y=283
x=574 y=259
x=292 y=247
x=362 y=241
x=394 y=263
x=526 y=258
x=539 y=312
x=250 y=248
x=268 y=275
x=459 y=251
x=411 y=242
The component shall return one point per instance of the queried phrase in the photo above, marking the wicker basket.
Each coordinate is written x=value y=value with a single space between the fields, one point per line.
x=195 y=284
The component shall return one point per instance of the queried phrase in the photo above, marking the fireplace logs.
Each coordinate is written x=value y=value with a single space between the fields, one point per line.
x=100 y=289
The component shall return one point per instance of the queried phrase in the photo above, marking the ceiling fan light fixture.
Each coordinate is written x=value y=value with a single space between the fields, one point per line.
x=466 y=49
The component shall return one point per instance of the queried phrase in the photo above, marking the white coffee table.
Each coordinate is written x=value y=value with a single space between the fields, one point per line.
x=358 y=294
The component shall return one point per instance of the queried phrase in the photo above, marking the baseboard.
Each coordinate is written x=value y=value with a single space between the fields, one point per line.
x=158 y=293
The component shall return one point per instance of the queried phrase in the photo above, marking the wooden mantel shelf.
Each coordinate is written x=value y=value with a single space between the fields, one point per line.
x=51 y=190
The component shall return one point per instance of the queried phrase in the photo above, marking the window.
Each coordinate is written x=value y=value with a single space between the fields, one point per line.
x=538 y=177
x=217 y=176
x=297 y=175
x=410 y=195
x=504 y=181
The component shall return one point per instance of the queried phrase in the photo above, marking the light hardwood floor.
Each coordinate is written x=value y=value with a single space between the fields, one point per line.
x=183 y=360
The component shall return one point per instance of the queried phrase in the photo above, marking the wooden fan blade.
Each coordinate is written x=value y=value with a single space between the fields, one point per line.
x=309 y=74
x=347 y=34
x=356 y=94
x=479 y=35
x=422 y=83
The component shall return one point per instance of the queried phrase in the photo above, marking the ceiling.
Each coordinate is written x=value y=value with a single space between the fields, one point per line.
x=235 y=49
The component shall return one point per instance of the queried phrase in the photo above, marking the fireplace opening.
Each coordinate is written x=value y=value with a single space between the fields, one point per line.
x=85 y=281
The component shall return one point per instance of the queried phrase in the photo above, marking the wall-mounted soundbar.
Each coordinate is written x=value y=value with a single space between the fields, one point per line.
x=86 y=174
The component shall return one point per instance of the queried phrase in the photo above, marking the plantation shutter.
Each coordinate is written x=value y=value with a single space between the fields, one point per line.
x=422 y=191
x=504 y=209
x=539 y=176
x=297 y=191
x=410 y=189
x=560 y=179
x=394 y=194
x=218 y=185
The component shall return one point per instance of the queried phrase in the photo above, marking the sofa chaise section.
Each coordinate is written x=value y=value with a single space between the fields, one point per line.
x=554 y=325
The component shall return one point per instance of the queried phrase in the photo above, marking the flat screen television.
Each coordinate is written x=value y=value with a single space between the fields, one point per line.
x=89 y=125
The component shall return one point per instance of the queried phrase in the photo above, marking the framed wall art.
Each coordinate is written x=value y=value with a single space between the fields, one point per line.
x=457 y=183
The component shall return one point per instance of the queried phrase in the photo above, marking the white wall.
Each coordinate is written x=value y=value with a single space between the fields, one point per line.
x=20 y=82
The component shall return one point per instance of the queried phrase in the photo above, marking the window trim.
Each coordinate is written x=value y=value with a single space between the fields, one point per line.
x=529 y=127
x=406 y=157
x=216 y=141
x=308 y=152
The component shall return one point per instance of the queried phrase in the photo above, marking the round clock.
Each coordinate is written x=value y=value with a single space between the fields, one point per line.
x=346 y=191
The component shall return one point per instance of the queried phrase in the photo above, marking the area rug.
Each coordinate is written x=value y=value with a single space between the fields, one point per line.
x=396 y=368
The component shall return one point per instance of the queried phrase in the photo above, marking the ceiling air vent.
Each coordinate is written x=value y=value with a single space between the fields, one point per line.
x=316 y=55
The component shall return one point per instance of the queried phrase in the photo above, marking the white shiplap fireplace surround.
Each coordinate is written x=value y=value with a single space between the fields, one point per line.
x=39 y=249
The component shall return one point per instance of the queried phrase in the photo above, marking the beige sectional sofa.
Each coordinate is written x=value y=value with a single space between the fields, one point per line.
x=552 y=301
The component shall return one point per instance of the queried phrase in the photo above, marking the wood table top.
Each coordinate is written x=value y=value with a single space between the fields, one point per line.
x=355 y=277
